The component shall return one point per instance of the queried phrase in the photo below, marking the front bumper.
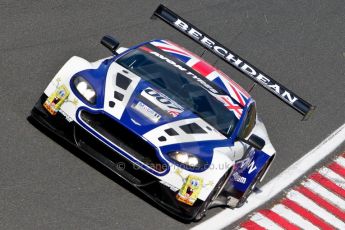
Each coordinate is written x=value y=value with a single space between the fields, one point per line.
x=146 y=183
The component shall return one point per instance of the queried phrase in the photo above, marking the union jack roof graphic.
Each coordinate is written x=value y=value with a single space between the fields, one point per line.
x=238 y=96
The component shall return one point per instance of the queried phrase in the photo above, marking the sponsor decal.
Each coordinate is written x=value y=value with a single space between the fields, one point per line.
x=251 y=167
x=56 y=99
x=162 y=102
x=237 y=177
x=147 y=111
x=277 y=89
x=234 y=60
x=246 y=170
x=249 y=163
x=190 y=190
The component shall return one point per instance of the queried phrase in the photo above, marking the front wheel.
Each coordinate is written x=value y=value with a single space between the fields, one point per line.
x=213 y=195
x=252 y=186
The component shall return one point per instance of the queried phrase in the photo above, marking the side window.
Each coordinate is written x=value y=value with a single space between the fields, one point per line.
x=249 y=122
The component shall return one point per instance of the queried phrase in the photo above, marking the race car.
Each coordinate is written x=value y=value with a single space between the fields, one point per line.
x=175 y=127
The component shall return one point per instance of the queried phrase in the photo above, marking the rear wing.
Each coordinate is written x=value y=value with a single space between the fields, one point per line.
x=277 y=89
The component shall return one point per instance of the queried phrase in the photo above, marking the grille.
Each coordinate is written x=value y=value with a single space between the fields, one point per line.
x=123 y=138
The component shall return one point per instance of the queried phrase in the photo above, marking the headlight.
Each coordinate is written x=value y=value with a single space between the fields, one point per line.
x=85 y=89
x=187 y=159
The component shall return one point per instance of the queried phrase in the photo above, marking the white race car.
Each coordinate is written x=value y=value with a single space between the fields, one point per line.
x=162 y=118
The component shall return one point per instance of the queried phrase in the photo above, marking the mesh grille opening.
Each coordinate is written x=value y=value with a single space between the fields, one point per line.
x=123 y=138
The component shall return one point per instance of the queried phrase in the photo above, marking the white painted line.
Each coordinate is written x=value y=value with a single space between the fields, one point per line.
x=264 y=222
x=280 y=182
x=310 y=205
x=324 y=193
x=340 y=161
x=293 y=217
x=332 y=176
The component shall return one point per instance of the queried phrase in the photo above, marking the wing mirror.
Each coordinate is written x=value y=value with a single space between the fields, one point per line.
x=110 y=43
x=254 y=141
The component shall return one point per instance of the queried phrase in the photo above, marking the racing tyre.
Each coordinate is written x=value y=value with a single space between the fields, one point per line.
x=213 y=195
x=252 y=186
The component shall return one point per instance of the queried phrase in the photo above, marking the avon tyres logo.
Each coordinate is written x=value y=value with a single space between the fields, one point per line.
x=162 y=102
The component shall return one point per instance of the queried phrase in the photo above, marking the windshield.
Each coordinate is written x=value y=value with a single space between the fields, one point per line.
x=182 y=84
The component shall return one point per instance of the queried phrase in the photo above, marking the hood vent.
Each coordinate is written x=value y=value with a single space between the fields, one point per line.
x=192 y=128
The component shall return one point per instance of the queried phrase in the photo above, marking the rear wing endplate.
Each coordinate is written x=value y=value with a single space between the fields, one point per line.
x=277 y=89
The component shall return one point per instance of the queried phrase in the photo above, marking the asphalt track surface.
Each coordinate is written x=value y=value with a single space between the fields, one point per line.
x=43 y=185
